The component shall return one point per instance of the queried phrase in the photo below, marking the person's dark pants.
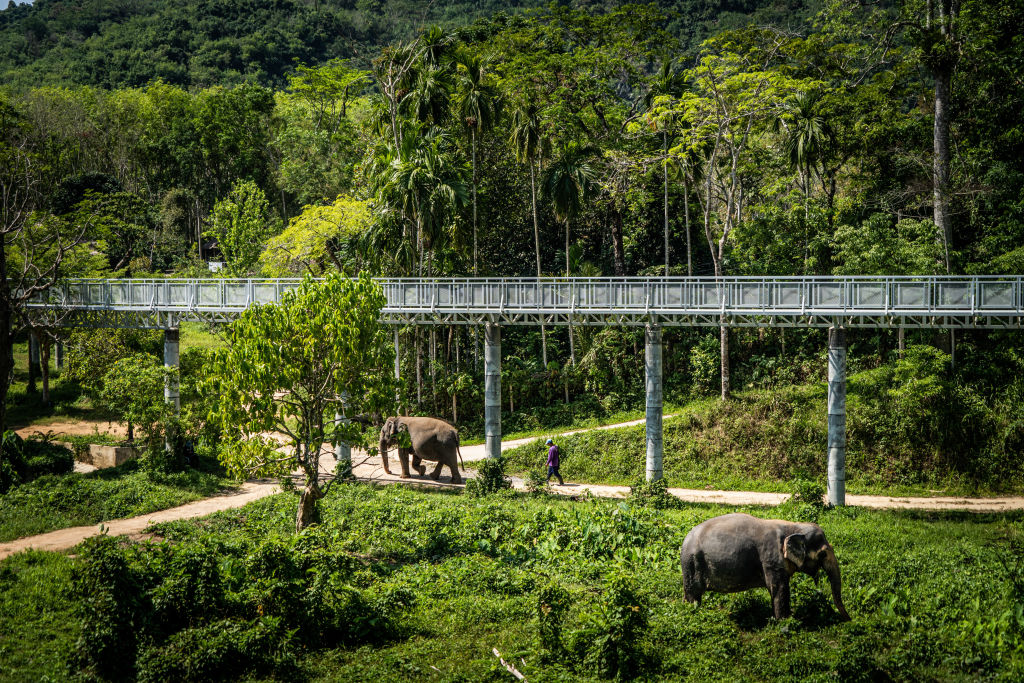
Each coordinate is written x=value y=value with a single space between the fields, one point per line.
x=554 y=471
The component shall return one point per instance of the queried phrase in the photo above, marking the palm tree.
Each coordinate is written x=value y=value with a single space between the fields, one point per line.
x=807 y=139
x=428 y=101
x=479 y=106
x=668 y=83
x=569 y=183
x=528 y=142
x=687 y=169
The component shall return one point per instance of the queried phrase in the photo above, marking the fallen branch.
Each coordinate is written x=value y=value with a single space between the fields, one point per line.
x=511 y=669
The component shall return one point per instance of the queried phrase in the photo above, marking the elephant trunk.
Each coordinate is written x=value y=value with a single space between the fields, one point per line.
x=831 y=567
x=384 y=454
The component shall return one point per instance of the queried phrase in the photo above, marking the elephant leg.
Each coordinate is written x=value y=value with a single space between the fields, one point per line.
x=778 y=587
x=436 y=474
x=403 y=459
x=453 y=467
x=417 y=464
x=693 y=583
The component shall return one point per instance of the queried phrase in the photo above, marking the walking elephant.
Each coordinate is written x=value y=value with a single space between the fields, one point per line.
x=430 y=439
x=737 y=552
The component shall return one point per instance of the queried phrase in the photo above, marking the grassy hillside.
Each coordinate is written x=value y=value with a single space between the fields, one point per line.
x=403 y=585
x=219 y=42
x=904 y=436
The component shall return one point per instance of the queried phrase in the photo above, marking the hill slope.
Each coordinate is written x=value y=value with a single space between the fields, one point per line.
x=127 y=43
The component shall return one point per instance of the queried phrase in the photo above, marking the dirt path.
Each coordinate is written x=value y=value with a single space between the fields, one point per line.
x=370 y=470
x=69 y=427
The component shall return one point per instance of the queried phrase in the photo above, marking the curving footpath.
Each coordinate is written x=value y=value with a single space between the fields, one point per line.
x=370 y=470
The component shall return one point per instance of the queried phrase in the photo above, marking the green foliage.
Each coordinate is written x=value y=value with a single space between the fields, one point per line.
x=808 y=492
x=133 y=390
x=553 y=603
x=537 y=482
x=241 y=224
x=653 y=494
x=490 y=478
x=56 y=502
x=320 y=239
x=22 y=461
x=612 y=641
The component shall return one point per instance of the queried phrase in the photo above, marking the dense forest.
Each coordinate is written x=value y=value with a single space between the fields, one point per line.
x=694 y=138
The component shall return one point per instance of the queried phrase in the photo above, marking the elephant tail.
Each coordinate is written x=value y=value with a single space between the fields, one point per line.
x=459 y=451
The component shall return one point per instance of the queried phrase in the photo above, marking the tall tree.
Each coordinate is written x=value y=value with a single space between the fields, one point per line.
x=292 y=367
x=528 y=141
x=479 y=105
x=569 y=183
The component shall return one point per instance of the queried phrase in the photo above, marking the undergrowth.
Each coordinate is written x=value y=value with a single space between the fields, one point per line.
x=397 y=584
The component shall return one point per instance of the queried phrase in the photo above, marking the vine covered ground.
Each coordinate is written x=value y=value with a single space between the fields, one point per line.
x=402 y=584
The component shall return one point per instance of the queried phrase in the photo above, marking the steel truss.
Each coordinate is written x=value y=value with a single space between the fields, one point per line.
x=950 y=302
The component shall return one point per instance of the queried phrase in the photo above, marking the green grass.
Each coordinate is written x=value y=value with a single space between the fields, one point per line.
x=198 y=335
x=933 y=596
x=57 y=502
x=762 y=441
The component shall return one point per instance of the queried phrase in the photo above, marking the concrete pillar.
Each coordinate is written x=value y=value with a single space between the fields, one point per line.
x=837 y=416
x=653 y=371
x=342 y=451
x=60 y=355
x=171 y=396
x=492 y=390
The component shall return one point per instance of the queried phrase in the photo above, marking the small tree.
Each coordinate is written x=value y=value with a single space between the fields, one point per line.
x=290 y=367
x=240 y=224
x=133 y=390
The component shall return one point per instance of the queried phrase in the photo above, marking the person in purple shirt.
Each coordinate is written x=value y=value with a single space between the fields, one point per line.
x=553 y=462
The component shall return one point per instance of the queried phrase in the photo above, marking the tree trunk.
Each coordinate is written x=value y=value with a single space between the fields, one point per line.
x=6 y=350
x=686 y=213
x=433 y=365
x=536 y=246
x=941 y=158
x=475 y=272
x=567 y=247
x=664 y=135
x=901 y=342
x=618 y=252
x=723 y=333
x=44 y=368
x=307 y=513
x=419 y=368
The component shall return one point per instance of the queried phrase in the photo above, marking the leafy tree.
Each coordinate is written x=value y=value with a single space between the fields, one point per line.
x=290 y=367
x=133 y=390
x=319 y=239
x=241 y=225
x=479 y=104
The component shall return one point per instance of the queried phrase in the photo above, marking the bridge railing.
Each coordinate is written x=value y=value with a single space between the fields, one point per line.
x=906 y=295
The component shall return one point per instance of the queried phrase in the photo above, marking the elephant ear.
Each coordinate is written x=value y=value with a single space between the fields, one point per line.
x=794 y=549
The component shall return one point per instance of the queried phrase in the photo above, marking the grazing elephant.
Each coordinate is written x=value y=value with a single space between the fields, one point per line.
x=738 y=552
x=431 y=439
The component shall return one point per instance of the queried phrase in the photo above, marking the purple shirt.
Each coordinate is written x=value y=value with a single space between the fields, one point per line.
x=553 y=456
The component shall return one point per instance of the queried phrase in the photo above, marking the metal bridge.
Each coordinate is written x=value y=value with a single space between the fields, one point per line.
x=836 y=303
x=951 y=302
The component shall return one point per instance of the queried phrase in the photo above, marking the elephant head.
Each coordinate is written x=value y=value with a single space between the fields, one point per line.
x=389 y=437
x=809 y=552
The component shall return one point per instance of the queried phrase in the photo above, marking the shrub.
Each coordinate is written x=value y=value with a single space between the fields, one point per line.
x=192 y=589
x=113 y=608
x=490 y=478
x=536 y=482
x=653 y=494
x=611 y=644
x=221 y=650
x=23 y=460
x=552 y=605
x=809 y=492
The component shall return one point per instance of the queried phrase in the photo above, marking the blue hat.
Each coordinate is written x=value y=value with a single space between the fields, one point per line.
x=548 y=441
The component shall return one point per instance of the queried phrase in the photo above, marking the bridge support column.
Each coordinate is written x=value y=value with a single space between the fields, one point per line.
x=171 y=396
x=653 y=371
x=398 y=374
x=492 y=390
x=836 y=416
x=34 y=366
x=342 y=451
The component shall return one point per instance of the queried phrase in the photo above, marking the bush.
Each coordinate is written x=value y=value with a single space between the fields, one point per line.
x=536 y=482
x=113 y=608
x=222 y=650
x=490 y=478
x=612 y=644
x=552 y=605
x=22 y=460
x=809 y=492
x=653 y=494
